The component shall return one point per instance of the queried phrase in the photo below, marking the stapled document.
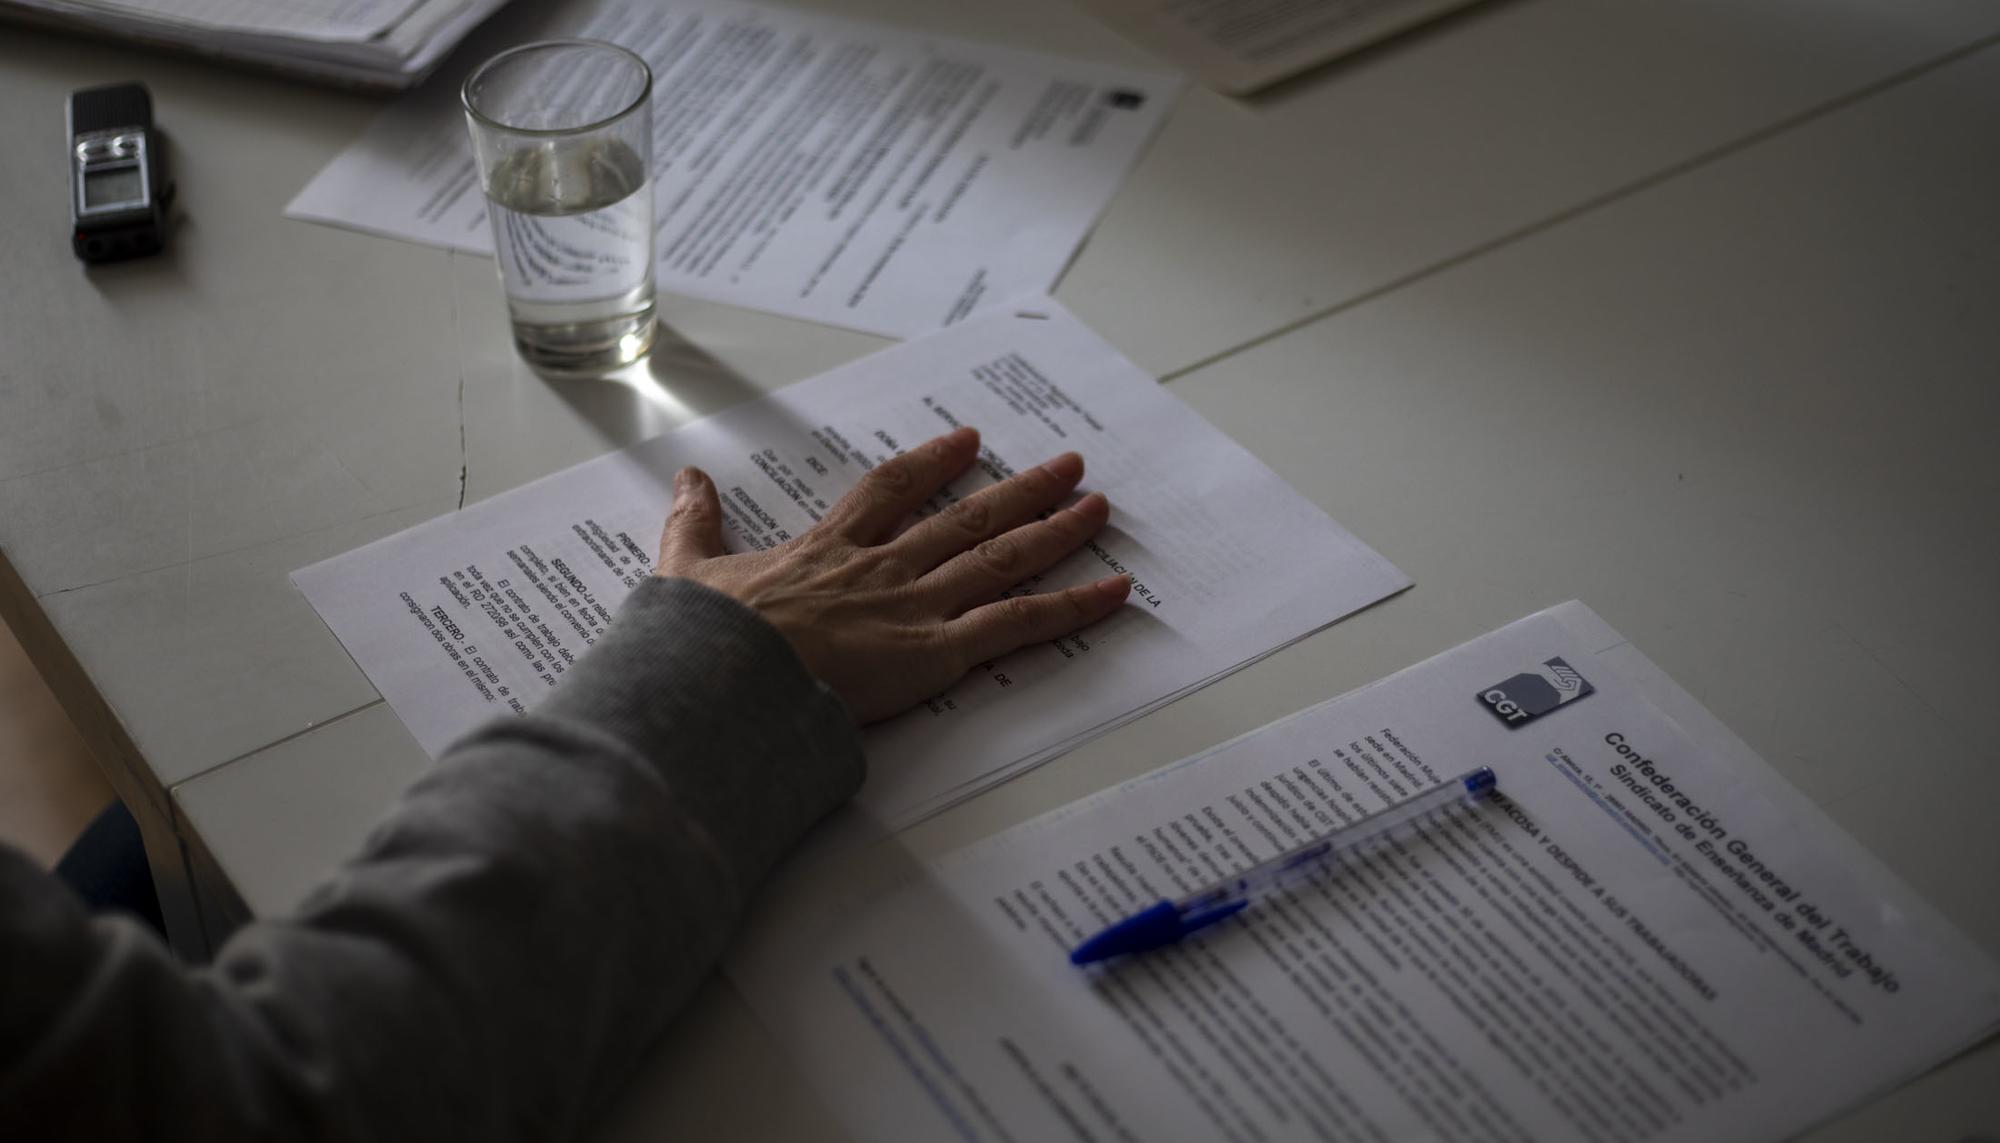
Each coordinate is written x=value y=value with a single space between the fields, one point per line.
x=480 y=612
x=853 y=174
x=1645 y=934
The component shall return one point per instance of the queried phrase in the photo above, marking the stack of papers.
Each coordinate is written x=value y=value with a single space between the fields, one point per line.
x=1241 y=46
x=371 y=43
x=480 y=612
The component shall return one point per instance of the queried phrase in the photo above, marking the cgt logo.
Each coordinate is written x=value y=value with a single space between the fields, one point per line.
x=1506 y=708
x=1531 y=694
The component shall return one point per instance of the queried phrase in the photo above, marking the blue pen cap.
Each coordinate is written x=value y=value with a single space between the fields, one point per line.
x=1481 y=782
x=1159 y=925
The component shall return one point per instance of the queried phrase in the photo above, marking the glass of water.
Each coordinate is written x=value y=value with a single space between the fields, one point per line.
x=562 y=133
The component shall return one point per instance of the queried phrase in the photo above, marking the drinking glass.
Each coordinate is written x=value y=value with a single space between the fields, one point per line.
x=562 y=133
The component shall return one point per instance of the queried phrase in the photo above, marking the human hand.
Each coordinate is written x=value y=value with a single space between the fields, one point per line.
x=887 y=622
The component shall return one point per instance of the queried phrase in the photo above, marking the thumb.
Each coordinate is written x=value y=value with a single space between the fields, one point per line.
x=694 y=527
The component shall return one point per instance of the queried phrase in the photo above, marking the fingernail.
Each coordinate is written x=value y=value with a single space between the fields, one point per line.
x=683 y=480
x=962 y=435
x=1093 y=504
x=1068 y=466
x=1114 y=586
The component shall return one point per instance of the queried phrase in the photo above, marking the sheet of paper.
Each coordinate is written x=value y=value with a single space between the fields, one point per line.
x=1238 y=46
x=845 y=173
x=306 y=19
x=480 y=612
x=1649 y=935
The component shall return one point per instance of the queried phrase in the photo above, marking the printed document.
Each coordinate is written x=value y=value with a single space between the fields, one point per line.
x=1238 y=46
x=480 y=612
x=374 y=43
x=846 y=173
x=306 y=19
x=1647 y=935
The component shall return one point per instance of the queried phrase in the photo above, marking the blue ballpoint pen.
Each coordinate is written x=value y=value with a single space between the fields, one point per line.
x=1169 y=921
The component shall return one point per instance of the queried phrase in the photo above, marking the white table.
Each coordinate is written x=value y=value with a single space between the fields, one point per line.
x=1715 y=281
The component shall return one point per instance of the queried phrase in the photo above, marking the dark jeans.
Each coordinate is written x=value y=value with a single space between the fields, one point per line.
x=107 y=868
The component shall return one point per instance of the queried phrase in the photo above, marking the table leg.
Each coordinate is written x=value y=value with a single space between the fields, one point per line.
x=116 y=755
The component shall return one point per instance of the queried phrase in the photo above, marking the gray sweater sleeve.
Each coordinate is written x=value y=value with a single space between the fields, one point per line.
x=528 y=916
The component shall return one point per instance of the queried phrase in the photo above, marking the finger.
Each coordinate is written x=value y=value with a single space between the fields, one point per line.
x=899 y=486
x=989 y=512
x=1007 y=559
x=694 y=526
x=988 y=632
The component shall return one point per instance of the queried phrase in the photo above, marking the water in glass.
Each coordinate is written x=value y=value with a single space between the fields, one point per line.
x=573 y=228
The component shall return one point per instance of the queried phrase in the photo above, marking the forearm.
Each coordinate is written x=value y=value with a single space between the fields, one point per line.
x=524 y=921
